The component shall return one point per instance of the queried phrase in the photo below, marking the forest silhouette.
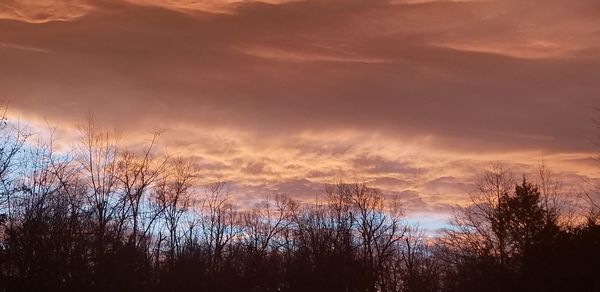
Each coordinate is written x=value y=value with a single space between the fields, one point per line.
x=104 y=218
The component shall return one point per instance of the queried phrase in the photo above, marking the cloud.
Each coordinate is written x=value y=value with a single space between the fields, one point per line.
x=271 y=93
x=300 y=57
x=40 y=11
x=25 y=48
x=213 y=6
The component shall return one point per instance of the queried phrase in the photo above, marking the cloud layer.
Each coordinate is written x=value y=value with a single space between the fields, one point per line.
x=285 y=95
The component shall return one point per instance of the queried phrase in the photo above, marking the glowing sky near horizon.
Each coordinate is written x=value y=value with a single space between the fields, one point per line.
x=283 y=96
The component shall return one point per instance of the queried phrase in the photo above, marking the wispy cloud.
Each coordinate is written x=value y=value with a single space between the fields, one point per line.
x=40 y=11
x=296 y=56
x=22 y=47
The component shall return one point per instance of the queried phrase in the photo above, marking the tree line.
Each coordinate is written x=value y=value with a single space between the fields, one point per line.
x=104 y=218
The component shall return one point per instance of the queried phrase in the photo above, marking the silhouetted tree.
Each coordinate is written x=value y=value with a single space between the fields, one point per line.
x=495 y=242
x=106 y=218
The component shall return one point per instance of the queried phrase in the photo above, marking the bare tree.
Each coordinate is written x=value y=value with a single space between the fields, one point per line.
x=98 y=153
x=555 y=199
x=379 y=229
x=419 y=269
x=483 y=226
x=220 y=223
x=137 y=175
x=12 y=140
x=174 y=198
x=266 y=222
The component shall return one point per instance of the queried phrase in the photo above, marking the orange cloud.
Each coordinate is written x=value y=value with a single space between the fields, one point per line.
x=40 y=11
x=288 y=95
x=218 y=6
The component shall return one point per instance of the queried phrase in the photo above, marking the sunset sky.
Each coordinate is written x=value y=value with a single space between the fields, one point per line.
x=282 y=96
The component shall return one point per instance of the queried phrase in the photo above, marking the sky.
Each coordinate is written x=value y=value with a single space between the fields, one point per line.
x=413 y=96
